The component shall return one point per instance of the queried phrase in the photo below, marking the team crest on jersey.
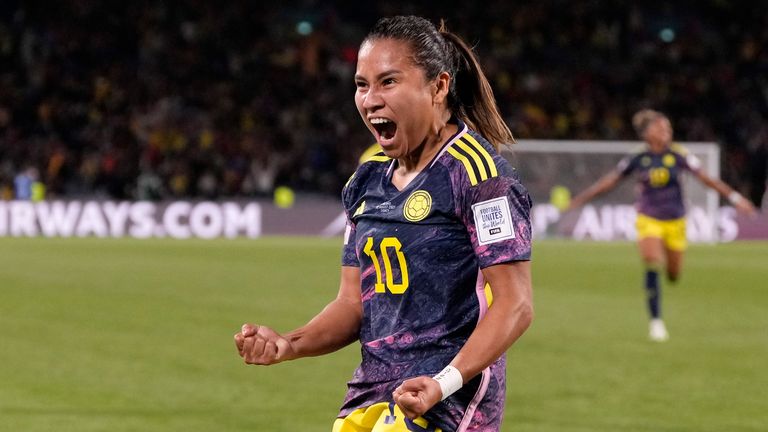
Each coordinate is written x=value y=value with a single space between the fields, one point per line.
x=668 y=160
x=645 y=161
x=417 y=206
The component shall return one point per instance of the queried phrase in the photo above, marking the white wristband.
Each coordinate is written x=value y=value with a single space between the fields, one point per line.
x=734 y=197
x=450 y=381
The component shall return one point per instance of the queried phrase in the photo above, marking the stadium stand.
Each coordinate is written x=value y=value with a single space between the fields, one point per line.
x=155 y=100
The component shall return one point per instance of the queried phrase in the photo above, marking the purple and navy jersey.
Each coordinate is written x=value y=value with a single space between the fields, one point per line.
x=659 y=177
x=420 y=251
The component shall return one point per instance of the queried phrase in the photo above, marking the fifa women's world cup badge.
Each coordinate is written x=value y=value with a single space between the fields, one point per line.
x=417 y=206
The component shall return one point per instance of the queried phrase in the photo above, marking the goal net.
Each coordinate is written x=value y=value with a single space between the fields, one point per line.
x=553 y=170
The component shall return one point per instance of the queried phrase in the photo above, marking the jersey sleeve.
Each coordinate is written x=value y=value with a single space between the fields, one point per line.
x=688 y=160
x=348 y=251
x=496 y=214
x=626 y=165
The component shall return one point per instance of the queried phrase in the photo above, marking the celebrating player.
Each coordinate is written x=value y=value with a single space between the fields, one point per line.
x=661 y=212
x=435 y=278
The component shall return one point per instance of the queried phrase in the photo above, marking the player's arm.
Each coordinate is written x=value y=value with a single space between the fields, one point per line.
x=601 y=186
x=506 y=320
x=335 y=327
x=736 y=199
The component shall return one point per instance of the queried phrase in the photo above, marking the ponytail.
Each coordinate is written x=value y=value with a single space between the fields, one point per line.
x=471 y=97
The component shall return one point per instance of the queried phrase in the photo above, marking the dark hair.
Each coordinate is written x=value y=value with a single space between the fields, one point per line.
x=470 y=96
x=643 y=118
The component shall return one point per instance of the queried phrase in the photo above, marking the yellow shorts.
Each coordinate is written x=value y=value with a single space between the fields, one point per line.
x=380 y=417
x=671 y=232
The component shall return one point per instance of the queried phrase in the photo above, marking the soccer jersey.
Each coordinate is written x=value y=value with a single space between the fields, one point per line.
x=659 y=177
x=420 y=251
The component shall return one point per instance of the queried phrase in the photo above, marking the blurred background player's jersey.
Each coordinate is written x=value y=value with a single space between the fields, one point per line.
x=659 y=179
x=467 y=210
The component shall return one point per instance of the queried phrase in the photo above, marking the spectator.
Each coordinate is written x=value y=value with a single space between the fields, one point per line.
x=91 y=92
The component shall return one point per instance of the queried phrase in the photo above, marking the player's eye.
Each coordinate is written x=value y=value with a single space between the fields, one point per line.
x=388 y=81
x=361 y=84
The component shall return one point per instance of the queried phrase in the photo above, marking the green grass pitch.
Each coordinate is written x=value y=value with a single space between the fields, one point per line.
x=129 y=335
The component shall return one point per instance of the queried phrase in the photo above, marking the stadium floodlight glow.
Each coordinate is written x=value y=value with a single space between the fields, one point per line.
x=304 y=28
x=667 y=35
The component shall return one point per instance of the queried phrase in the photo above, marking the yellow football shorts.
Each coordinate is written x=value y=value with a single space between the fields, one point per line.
x=671 y=232
x=380 y=417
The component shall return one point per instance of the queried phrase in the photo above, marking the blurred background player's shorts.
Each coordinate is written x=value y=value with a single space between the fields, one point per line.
x=672 y=232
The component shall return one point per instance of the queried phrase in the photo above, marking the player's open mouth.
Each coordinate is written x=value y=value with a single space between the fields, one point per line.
x=385 y=129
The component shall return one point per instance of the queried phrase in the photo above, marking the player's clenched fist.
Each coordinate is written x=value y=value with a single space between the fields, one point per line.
x=261 y=345
x=416 y=396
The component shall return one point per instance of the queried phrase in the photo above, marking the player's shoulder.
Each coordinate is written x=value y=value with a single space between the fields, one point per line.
x=371 y=162
x=679 y=149
x=683 y=154
x=372 y=152
x=475 y=159
x=637 y=156
x=375 y=164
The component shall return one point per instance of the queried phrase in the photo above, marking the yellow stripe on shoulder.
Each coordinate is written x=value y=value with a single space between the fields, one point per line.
x=467 y=165
x=379 y=158
x=483 y=153
x=679 y=149
x=373 y=153
x=360 y=209
x=350 y=179
x=475 y=157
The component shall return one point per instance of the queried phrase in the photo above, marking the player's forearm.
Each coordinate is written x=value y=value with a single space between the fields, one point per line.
x=335 y=327
x=716 y=184
x=602 y=186
x=507 y=319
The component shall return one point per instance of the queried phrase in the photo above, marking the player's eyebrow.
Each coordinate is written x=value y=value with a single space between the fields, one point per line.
x=381 y=75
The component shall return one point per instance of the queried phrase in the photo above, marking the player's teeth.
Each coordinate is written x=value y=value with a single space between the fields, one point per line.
x=379 y=121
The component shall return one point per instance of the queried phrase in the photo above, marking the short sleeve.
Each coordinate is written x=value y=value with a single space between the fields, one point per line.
x=692 y=162
x=348 y=251
x=496 y=214
x=626 y=165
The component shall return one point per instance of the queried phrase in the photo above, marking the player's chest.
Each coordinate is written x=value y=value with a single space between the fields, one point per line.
x=424 y=201
x=659 y=171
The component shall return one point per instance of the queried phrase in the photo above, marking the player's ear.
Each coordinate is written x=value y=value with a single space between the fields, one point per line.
x=440 y=88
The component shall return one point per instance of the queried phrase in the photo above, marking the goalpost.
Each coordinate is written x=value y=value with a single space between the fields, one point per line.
x=554 y=169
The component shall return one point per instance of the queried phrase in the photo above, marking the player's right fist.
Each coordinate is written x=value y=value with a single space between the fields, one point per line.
x=261 y=345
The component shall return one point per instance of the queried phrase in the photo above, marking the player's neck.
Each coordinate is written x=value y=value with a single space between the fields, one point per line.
x=657 y=147
x=410 y=165
x=417 y=160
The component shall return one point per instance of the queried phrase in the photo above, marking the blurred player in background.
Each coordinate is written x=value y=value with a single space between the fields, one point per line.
x=658 y=168
x=438 y=229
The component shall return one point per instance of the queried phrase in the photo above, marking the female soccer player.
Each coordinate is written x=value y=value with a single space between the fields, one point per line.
x=435 y=278
x=661 y=212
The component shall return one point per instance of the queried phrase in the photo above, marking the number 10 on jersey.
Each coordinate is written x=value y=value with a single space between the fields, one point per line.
x=385 y=244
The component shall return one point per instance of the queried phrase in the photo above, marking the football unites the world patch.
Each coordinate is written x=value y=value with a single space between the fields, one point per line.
x=417 y=206
x=493 y=220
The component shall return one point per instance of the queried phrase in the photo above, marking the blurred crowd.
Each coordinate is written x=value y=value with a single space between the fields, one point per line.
x=155 y=100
